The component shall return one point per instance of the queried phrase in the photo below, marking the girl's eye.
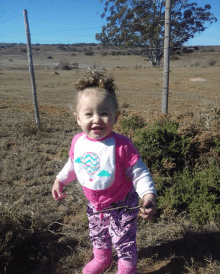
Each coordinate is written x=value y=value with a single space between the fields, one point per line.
x=105 y=113
x=88 y=114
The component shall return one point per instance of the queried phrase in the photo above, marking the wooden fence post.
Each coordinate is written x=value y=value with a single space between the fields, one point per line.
x=31 y=68
x=166 y=58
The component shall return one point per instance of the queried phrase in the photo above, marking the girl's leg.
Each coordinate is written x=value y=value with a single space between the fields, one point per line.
x=98 y=232
x=123 y=229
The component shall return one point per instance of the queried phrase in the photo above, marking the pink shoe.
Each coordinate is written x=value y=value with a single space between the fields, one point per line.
x=126 y=267
x=102 y=261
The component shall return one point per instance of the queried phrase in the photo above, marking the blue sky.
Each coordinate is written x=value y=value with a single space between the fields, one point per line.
x=68 y=22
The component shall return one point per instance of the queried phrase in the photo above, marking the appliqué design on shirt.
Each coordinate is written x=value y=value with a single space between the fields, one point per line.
x=94 y=163
x=104 y=173
x=91 y=163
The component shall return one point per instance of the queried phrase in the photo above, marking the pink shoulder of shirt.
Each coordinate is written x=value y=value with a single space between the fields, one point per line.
x=126 y=150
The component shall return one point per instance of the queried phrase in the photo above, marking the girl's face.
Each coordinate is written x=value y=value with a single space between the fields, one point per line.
x=96 y=114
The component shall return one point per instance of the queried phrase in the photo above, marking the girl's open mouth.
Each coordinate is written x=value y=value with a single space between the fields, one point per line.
x=97 y=129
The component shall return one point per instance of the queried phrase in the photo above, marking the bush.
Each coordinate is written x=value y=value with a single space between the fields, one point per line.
x=132 y=123
x=172 y=154
x=73 y=50
x=64 y=66
x=61 y=47
x=196 y=192
x=211 y=62
x=91 y=53
x=163 y=149
x=75 y=64
x=114 y=52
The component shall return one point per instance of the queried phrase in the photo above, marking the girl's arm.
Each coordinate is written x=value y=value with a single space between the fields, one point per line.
x=66 y=175
x=141 y=178
x=144 y=186
x=149 y=206
x=57 y=190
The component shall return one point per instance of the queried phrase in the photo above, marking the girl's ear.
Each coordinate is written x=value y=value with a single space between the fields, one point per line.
x=116 y=116
x=77 y=118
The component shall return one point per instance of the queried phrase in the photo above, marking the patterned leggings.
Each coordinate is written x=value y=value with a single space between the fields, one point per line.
x=117 y=228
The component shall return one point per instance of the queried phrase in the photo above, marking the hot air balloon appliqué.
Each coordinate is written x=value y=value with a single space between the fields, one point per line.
x=91 y=163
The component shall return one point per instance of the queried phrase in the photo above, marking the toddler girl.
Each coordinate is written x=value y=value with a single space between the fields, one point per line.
x=111 y=173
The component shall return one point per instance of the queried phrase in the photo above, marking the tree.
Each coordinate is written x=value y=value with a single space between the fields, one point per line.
x=140 y=24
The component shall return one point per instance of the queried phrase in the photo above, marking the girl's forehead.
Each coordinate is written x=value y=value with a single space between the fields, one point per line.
x=91 y=92
x=93 y=97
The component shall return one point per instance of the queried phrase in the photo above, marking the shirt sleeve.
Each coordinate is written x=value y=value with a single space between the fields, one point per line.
x=67 y=174
x=141 y=178
x=127 y=151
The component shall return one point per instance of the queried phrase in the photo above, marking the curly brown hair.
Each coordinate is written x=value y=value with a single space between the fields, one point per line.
x=100 y=81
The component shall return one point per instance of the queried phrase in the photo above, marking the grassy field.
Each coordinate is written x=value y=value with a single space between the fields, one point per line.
x=39 y=235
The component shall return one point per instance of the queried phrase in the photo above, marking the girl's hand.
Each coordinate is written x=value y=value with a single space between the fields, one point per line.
x=149 y=201
x=57 y=190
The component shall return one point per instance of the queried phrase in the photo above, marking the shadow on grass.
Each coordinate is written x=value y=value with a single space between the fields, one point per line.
x=193 y=247
x=37 y=252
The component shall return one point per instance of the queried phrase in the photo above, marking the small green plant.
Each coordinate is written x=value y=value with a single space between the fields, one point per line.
x=162 y=148
x=132 y=123
x=216 y=147
x=64 y=153
x=196 y=192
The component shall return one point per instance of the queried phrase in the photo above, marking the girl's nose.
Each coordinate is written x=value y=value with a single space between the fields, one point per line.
x=96 y=118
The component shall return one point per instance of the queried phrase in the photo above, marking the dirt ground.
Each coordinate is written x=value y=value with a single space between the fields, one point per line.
x=54 y=237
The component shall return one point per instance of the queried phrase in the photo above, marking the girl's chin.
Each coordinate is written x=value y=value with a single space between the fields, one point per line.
x=97 y=134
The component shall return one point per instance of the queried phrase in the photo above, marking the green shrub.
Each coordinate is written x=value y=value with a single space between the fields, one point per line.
x=216 y=147
x=163 y=149
x=132 y=123
x=172 y=159
x=196 y=192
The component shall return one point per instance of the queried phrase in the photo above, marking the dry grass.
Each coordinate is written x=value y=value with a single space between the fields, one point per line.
x=204 y=63
x=39 y=235
x=53 y=237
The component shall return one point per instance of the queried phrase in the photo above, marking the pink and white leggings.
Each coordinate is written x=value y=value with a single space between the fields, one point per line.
x=117 y=228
